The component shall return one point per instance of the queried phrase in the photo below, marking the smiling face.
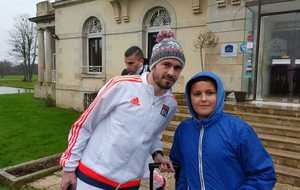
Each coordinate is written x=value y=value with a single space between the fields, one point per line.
x=203 y=98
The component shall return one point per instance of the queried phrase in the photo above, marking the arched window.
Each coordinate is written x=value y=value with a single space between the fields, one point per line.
x=159 y=17
x=156 y=19
x=93 y=43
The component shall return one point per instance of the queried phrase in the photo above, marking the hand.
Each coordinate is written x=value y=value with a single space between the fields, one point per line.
x=165 y=165
x=68 y=181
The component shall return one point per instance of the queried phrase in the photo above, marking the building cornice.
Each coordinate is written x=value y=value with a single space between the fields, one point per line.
x=62 y=3
x=250 y=3
x=43 y=19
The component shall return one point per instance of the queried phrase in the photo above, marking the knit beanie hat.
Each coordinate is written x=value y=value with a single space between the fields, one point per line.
x=167 y=47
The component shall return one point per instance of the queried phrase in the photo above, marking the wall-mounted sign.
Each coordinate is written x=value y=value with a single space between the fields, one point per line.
x=250 y=37
x=243 y=47
x=249 y=45
x=229 y=50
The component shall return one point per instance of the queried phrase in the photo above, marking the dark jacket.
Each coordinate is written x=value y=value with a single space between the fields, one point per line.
x=221 y=152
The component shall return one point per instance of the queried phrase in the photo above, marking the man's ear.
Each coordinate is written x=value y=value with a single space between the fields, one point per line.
x=142 y=60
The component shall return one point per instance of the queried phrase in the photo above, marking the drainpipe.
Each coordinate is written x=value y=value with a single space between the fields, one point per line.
x=257 y=48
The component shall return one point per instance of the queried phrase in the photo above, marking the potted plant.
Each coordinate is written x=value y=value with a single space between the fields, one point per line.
x=240 y=96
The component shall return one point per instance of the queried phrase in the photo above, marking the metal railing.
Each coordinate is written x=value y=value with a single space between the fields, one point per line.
x=53 y=75
x=92 y=69
x=88 y=99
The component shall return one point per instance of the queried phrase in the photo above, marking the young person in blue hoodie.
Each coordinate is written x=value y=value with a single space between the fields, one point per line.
x=215 y=150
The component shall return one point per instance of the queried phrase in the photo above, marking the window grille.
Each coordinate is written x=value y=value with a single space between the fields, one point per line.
x=88 y=99
x=159 y=17
x=93 y=25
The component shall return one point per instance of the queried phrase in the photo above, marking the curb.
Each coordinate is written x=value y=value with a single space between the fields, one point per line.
x=6 y=178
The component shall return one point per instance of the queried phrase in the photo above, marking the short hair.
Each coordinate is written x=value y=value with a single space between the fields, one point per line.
x=206 y=79
x=134 y=50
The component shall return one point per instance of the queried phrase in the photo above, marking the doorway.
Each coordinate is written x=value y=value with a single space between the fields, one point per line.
x=279 y=70
x=156 y=19
x=151 y=42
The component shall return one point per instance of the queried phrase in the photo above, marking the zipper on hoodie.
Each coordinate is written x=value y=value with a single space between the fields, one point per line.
x=202 y=184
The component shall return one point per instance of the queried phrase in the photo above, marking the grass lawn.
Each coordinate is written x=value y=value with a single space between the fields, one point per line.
x=16 y=81
x=31 y=130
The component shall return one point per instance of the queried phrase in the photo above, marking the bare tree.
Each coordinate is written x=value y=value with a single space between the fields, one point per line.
x=23 y=41
x=205 y=39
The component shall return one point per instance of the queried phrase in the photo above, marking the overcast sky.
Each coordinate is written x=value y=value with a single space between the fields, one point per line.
x=9 y=10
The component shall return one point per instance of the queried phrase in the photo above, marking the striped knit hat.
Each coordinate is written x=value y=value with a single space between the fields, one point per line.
x=167 y=47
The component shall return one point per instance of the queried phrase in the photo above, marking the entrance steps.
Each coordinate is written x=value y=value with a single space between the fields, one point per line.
x=277 y=127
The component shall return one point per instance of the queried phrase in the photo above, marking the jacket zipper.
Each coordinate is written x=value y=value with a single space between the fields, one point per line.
x=202 y=184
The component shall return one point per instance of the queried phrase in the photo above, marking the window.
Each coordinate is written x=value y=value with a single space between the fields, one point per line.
x=159 y=17
x=95 y=55
x=156 y=19
x=93 y=43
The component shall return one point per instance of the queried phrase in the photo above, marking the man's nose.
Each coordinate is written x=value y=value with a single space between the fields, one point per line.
x=171 y=71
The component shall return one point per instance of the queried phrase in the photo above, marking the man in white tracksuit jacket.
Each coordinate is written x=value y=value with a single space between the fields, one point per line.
x=136 y=64
x=109 y=144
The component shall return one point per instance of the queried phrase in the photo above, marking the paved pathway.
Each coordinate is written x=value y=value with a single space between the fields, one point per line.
x=52 y=183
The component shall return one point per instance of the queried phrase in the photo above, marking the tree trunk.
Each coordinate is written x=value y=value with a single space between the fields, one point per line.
x=201 y=60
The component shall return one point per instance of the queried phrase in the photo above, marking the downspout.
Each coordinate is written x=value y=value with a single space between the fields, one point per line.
x=257 y=48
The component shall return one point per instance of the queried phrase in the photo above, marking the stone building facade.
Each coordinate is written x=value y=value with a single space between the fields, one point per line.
x=82 y=42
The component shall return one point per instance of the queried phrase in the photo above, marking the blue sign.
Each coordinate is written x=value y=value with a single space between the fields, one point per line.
x=229 y=50
x=243 y=47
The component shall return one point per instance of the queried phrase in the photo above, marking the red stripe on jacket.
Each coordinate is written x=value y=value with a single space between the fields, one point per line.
x=89 y=172
x=80 y=121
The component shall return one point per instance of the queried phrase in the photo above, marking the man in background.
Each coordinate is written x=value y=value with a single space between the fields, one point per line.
x=135 y=62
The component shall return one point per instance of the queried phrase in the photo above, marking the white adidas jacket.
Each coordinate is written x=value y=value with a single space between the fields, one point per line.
x=119 y=130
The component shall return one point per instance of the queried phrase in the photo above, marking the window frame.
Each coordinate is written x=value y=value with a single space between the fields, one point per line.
x=98 y=34
x=150 y=16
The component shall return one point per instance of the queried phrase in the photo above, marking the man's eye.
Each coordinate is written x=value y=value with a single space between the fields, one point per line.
x=166 y=64
x=177 y=68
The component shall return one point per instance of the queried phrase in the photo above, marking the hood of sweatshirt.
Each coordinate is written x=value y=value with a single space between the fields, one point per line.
x=218 y=111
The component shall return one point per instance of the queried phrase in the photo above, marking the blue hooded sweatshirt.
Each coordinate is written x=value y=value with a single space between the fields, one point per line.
x=220 y=152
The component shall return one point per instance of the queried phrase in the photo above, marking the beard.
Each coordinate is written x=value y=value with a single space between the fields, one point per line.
x=164 y=81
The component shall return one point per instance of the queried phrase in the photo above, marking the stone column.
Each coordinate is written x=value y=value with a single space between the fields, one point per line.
x=41 y=55
x=48 y=56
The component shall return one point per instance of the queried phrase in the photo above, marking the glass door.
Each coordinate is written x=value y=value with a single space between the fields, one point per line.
x=278 y=74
